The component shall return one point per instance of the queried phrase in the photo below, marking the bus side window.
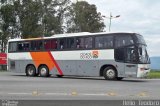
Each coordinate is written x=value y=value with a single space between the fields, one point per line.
x=54 y=44
x=12 y=47
x=104 y=42
x=70 y=43
x=62 y=43
x=77 y=43
x=47 y=44
x=123 y=40
x=36 y=45
x=80 y=43
x=50 y=44
x=88 y=42
x=119 y=54
x=23 y=46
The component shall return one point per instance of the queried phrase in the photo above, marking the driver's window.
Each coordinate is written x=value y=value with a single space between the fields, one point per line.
x=130 y=54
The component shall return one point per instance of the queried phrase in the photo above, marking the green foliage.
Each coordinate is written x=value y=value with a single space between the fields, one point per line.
x=29 y=18
x=85 y=18
x=154 y=74
x=8 y=20
x=36 y=18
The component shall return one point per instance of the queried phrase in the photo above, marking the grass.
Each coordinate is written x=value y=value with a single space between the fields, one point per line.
x=154 y=74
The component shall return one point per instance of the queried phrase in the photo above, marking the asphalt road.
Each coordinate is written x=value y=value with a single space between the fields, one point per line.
x=19 y=87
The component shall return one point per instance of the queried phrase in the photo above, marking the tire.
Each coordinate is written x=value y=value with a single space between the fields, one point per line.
x=59 y=76
x=43 y=71
x=30 y=70
x=110 y=73
x=119 y=78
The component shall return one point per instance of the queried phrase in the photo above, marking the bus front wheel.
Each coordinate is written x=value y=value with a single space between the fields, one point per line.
x=43 y=71
x=109 y=73
x=30 y=70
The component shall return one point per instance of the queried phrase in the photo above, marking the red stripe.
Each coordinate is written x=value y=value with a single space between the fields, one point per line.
x=55 y=63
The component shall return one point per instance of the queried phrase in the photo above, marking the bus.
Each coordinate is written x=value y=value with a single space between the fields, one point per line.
x=113 y=56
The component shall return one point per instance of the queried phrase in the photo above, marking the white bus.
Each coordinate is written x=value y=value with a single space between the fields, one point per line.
x=111 y=55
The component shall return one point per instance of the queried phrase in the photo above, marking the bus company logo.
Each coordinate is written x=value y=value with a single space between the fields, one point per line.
x=95 y=54
x=85 y=55
x=91 y=55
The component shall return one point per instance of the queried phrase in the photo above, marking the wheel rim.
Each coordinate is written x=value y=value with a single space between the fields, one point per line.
x=110 y=73
x=43 y=71
x=30 y=71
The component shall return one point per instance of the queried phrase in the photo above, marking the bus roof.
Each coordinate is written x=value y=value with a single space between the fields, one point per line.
x=69 y=35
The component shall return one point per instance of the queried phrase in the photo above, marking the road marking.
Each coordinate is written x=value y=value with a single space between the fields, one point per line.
x=112 y=93
x=55 y=94
x=19 y=93
x=35 y=93
x=143 y=94
x=74 y=93
x=87 y=94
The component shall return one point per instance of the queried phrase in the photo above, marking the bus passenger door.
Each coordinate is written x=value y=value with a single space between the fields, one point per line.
x=130 y=70
x=130 y=62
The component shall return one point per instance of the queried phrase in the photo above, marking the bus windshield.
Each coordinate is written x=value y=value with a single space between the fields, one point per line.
x=143 y=55
x=140 y=39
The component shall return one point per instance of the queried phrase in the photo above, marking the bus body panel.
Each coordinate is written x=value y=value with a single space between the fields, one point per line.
x=81 y=63
x=77 y=66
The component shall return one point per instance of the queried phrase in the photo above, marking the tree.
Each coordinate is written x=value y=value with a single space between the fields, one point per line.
x=30 y=19
x=7 y=22
x=85 y=18
x=54 y=16
x=36 y=18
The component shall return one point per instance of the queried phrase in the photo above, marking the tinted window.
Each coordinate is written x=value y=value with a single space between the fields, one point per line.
x=143 y=55
x=140 y=39
x=23 y=46
x=70 y=43
x=36 y=45
x=119 y=54
x=79 y=43
x=12 y=47
x=88 y=42
x=104 y=42
x=131 y=54
x=62 y=43
x=50 y=44
x=84 y=43
x=54 y=44
x=123 y=40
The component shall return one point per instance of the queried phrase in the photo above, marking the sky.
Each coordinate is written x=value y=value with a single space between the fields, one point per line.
x=138 y=16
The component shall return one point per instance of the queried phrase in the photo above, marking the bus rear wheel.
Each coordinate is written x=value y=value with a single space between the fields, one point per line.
x=109 y=73
x=43 y=71
x=30 y=70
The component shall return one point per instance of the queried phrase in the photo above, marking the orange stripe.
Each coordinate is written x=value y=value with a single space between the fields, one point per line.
x=42 y=58
x=55 y=63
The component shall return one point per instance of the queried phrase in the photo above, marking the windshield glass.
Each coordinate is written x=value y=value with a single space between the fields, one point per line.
x=131 y=54
x=143 y=55
x=140 y=39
